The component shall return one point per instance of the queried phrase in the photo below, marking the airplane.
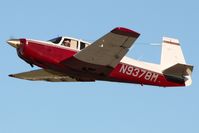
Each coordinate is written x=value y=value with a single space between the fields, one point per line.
x=67 y=59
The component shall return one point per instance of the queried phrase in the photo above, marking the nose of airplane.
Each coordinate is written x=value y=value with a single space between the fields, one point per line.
x=14 y=42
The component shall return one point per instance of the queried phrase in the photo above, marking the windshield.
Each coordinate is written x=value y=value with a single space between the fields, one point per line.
x=56 y=40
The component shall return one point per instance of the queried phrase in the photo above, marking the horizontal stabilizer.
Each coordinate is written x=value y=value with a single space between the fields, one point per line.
x=179 y=70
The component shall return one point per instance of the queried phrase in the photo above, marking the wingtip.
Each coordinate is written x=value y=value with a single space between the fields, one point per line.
x=125 y=32
x=11 y=75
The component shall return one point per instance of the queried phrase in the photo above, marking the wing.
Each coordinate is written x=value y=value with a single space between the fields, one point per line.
x=109 y=49
x=101 y=57
x=46 y=75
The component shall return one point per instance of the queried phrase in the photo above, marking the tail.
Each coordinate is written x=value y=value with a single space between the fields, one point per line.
x=173 y=63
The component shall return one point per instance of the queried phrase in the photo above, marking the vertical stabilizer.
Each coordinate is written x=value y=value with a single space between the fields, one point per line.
x=173 y=63
x=171 y=53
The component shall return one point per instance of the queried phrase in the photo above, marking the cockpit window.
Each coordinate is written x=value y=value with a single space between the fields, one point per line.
x=56 y=40
x=66 y=42
x=82 y=45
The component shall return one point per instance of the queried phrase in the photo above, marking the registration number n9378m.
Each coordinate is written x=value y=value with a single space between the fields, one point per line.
x=138 y=73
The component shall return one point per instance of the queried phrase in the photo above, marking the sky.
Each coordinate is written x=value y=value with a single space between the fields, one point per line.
x=43 y=107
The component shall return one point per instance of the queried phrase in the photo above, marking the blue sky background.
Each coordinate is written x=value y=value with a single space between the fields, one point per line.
x=100 y=107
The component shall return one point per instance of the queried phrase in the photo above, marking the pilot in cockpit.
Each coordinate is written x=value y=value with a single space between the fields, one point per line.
x=66 y=42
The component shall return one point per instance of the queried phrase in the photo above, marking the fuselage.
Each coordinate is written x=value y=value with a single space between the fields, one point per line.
x=48 y=55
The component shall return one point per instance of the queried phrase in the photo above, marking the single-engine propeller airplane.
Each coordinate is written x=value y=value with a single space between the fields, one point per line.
x=66 y=59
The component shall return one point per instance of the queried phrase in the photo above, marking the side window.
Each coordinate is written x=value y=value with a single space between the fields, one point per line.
x=74 y=44
x=70 y=43
x=66 y=42
x=82 y=45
